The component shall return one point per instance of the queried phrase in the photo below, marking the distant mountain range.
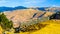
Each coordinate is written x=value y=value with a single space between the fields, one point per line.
x=42 y=8
x=2 y=9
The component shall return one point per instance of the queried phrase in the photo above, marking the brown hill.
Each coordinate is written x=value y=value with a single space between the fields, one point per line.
x=25 y=15
x=20 y=15
x=48 y=14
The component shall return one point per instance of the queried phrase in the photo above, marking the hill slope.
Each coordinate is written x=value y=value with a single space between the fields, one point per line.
x=53 y=27
x=20 y=15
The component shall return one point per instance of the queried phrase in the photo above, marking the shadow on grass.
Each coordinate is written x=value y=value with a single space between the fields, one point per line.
x=33 y=28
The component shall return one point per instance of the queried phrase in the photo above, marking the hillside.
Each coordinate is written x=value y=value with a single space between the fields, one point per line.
x=25 y=15
x=20 y=15
x=52 y=27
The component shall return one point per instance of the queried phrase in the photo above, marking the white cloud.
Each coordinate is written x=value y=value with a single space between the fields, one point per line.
x=55 y=6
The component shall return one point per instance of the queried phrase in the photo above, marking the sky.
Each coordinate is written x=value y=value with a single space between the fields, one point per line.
x=30 y=3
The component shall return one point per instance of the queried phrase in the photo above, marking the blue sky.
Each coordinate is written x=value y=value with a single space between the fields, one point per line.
x=30 y=3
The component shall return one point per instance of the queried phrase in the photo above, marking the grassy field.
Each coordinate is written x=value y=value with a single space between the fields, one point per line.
x=52 y=27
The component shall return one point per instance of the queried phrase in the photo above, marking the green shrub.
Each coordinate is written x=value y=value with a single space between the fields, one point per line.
x=4 y=22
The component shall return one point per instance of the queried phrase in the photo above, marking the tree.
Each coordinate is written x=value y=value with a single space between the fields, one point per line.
x=4 y=22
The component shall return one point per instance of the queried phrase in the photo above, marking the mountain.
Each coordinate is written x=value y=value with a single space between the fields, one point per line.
x=42 y=14
x=55 y=9
x=21 y=15
x=6 y=9
x=20 y=7
x=51 y=9
x=42 y=8
x=26 y=15
x=2 y=9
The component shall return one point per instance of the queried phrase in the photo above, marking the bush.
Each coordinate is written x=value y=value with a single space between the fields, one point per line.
x=4 y=22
